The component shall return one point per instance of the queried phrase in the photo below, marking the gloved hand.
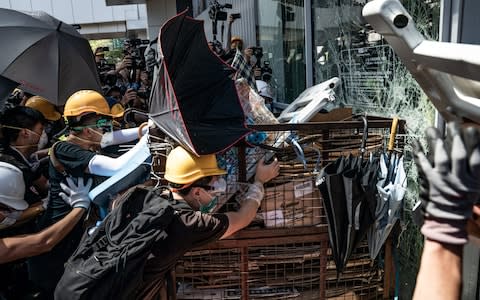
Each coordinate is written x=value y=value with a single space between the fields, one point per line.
x=264 y=173
x=76 y=195
x=453 y=182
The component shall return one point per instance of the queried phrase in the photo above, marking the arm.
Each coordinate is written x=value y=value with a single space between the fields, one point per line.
x=13 y=248
x=253 y=198
x=451 y=173
x=106 y=166
x=440 y=271
x=229 y=32
x=31 y=212
x=122 y=136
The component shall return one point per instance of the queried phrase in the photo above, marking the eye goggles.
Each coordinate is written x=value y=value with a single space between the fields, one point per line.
x=218 y=187
x=105 y=125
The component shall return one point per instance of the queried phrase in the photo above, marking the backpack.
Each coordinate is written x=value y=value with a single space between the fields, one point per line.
x=109 y=263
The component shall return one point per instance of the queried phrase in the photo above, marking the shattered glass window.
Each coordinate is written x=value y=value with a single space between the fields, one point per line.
x=281 y=34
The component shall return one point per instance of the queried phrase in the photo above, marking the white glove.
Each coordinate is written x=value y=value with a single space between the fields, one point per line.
x=255 y=192
x=76 y=195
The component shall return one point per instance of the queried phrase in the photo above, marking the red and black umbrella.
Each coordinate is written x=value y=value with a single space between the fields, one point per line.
x=194 y=99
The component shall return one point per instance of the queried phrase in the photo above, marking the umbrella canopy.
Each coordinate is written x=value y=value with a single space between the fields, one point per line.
x=45 y=56
x=194 y=100
x=391 y=187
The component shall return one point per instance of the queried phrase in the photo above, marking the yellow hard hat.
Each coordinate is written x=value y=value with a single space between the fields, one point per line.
x=183 y=167
x=117 y=110
x=46 y=108
x=87 y=101
x=236 y=38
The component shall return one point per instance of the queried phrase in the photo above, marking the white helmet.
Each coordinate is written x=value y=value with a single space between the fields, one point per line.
x=264 y=89
x=12 y=187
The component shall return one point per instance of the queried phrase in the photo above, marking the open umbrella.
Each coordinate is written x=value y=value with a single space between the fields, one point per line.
x=45 y=56
x=194 y=100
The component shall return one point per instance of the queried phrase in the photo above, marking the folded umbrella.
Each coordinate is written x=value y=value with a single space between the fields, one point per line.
x=389 y=203
x=45 y=56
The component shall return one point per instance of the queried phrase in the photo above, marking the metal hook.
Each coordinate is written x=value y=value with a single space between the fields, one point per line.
x=363 y=146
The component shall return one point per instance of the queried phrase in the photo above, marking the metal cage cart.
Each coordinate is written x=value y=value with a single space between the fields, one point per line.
x=285 y=253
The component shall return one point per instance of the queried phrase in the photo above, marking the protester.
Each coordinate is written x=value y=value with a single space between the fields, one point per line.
x=14 y=210
x=196 y=181
x=17 y=240
x=450 y=189
x=49 y=112
x=16 y=247
x=23 y=132
x=89 y=120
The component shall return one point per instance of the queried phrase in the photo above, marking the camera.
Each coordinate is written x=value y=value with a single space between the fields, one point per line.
x=135 y=48
x=216 y=11
x=258 y=52
x=266 y=71
x=236 y=16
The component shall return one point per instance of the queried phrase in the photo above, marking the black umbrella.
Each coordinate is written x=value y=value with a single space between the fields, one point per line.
x=194 y=100
x=45 y=56
x=348 y=191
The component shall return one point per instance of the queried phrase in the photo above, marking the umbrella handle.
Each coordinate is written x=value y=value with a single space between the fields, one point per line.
x=363 y=147
x=393 y=132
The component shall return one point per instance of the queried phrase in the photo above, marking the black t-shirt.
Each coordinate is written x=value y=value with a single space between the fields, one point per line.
x=46 y=269
x=189 y=229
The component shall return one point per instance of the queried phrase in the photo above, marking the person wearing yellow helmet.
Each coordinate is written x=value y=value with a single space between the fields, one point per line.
x=53 y=124
x=47 y=109
x=195 y=182
x=89 y=121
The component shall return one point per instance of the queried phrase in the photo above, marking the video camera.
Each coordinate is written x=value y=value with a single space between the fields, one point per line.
x=266 y=71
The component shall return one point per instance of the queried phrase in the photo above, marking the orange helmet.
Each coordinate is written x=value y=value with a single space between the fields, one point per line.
x=46 y=108
x=88 y=101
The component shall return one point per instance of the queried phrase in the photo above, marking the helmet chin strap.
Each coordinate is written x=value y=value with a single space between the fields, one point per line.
x=88 y=142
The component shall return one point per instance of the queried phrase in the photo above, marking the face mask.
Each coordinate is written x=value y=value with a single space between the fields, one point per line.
x=43 y=141
x=107 y=139
x=10 y=217
x=207 y=208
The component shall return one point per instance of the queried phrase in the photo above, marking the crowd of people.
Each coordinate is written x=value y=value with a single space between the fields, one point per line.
x=52 y=156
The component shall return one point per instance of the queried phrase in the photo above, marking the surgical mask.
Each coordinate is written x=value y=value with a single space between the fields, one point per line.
x=10 y=218
x=107 y=139
x=210 y=206
x=43 y=141
x=35 y=133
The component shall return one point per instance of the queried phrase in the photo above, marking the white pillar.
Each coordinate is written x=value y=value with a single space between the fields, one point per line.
x=159 y=11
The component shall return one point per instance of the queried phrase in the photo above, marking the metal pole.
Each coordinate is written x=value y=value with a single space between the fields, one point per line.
x=308 y=43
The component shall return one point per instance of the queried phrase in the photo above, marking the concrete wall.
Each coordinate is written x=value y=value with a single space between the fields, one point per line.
x=96 y=18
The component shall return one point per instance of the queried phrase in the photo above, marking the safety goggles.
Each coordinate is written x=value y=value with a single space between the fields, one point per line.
x=218 y=187
x=106 y=125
